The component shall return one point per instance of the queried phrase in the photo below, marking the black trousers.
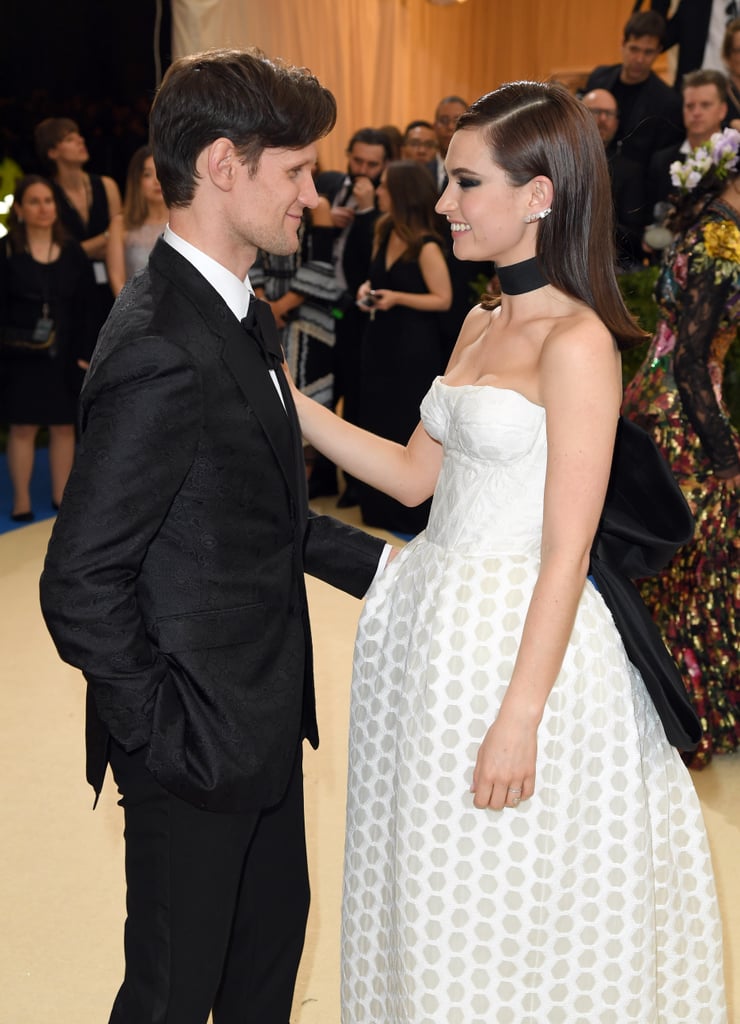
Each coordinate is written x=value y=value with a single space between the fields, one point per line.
x=216 y=905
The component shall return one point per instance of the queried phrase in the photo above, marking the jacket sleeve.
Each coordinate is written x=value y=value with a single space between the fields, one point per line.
x=141 y=421
x=341 y=555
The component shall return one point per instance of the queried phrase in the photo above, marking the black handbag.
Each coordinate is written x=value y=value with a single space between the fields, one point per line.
x=645 y=521
x=37 y=341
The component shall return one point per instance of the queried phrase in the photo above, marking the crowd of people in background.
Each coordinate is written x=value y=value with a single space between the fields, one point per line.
x=375 y=287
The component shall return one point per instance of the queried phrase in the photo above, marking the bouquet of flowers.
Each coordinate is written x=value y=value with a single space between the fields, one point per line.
x=718 y=157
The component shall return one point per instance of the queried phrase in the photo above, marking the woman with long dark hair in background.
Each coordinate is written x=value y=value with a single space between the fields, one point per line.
x=407 y=288
x=133 y=231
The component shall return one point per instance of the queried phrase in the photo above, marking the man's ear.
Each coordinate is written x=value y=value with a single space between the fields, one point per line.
x=222 y=163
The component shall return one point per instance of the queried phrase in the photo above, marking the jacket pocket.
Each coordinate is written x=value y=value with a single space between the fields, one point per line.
x=220 y=627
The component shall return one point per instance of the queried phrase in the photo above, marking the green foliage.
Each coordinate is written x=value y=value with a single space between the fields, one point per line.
x=637 y=290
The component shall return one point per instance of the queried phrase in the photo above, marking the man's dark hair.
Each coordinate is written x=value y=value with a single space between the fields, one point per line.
x=416 y=124
x=645 y=23
x=241 y=95
x=372 y=137
x=706 y=76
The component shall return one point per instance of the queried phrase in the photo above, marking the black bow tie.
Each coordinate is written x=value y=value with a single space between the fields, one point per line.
x=259 y=324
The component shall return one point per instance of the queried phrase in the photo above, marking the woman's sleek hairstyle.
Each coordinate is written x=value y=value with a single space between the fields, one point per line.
x=538 y=128
x=135 y=209
x=240 y=95
x=413 y=195
x=17 y=235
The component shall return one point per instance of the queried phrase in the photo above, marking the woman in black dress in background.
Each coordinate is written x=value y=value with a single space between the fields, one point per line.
x=402 y=352
x=86 y=202
x=43 y=274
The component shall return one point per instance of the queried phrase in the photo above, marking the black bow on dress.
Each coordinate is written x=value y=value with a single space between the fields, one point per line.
x=259 y=324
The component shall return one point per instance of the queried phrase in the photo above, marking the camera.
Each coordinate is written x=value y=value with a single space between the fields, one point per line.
x=368 y=301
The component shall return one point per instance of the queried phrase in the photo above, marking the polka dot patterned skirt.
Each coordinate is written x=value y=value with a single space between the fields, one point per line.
x=591 y=903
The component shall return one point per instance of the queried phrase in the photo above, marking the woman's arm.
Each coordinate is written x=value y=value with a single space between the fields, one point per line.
x=581 y=390
x=704 y=303
x=407 y=473
x=115 y=259
x=97 y=246
x=438 y=296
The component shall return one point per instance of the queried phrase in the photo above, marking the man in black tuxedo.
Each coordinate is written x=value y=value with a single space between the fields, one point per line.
x=175 y=573
x=697 y=28
x=649 y=110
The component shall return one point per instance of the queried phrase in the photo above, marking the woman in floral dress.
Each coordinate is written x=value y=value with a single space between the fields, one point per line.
x=677 y=396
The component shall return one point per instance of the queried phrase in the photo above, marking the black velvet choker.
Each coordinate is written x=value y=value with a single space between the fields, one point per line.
x=520 y=277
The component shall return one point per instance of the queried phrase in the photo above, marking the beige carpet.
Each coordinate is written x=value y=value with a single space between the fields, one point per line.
x=61 y=866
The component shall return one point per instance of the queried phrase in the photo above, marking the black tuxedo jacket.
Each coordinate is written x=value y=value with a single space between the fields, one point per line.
x=689 y=28
x=656 y=120
x=175 y=573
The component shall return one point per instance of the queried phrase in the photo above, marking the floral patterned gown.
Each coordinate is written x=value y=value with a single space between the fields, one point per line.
x=677 y=396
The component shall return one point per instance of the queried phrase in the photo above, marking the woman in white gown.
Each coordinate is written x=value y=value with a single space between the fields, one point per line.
x=523 y=844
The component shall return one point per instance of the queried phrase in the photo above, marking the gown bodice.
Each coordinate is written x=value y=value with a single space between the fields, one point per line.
x=490 y=492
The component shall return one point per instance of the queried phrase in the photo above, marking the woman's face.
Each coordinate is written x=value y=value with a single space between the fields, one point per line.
x=383 y=195
x=71 y=149
x=486 y=214
x=37 y=208
x=150 y=187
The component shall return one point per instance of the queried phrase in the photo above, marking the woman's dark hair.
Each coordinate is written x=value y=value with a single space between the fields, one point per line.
x=49 y=133
x=135 y=208
x=240 y=95
x=729 y=38
x=17 y=235
x=538 y=128
x=413 y=196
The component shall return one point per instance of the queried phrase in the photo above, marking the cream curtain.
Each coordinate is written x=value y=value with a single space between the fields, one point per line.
x=388 y=61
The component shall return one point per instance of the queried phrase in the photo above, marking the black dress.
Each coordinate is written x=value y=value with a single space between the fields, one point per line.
x=401 y=356
x=97 y=223
x=37 y=389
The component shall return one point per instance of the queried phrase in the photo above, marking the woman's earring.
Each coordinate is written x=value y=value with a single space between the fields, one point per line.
x=532 y=217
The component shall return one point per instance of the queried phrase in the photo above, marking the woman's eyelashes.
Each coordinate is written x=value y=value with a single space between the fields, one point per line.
x=466 y=183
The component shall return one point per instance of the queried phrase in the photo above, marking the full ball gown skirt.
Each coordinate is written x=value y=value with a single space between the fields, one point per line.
x=591 y=903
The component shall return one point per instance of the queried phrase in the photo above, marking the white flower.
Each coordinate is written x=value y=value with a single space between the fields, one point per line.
x=718 y=155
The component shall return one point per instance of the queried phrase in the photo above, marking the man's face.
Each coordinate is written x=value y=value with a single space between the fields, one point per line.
x=703 y=112
x=603 y=106
x=638 y=57
x=419 y=144
x=268 y=203
x=445 y=123
x=366 y=160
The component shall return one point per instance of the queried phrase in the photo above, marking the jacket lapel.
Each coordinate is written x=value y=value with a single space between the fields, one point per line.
x=241 y=356
x=252 y=376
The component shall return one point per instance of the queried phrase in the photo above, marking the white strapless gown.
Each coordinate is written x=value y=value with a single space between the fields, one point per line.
x=593 y=902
